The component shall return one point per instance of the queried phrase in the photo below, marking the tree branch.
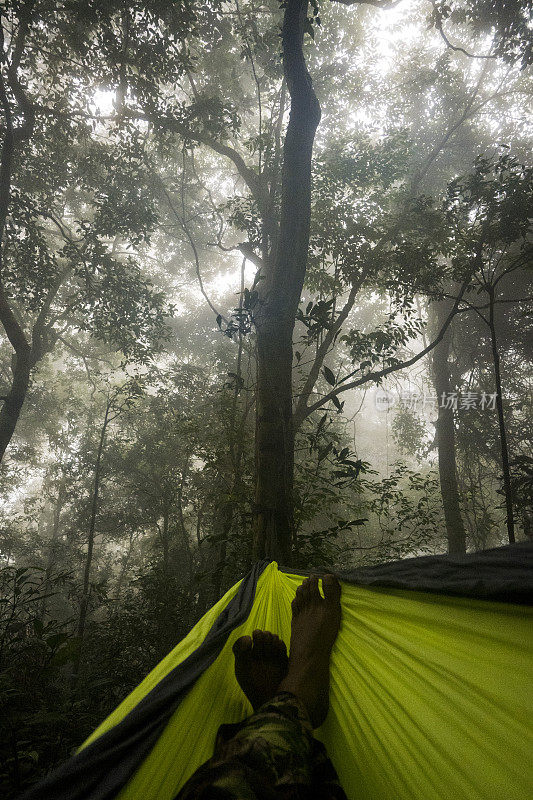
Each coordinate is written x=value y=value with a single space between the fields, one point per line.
x=183 y=225
x=249 y=253
x=39 y=326
x=301 y=406
x=248 y=175
x=437 y=17
x=375 y=376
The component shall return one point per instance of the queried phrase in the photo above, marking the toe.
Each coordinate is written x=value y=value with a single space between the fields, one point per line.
x=300 y=597
x=304 y=590
x=281 y=647
x=331 y=588
x=242 y=645
x=260 y=638
x=313 y=590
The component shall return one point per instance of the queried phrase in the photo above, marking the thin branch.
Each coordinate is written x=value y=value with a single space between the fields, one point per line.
x=456 y=48
x=468 y=111
x=323 y=351
x=211 y=199
x=256 y=79
x=83 y=358
x=247 y=173
x=190 y=239
x=40 y=323
x=375 y=376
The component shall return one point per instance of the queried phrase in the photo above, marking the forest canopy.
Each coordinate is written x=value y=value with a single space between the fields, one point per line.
x=265 y=292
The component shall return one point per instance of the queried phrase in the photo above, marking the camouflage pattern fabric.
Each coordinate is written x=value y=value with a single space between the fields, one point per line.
x=271 y=755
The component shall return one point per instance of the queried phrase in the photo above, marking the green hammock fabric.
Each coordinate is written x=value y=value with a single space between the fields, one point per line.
x=430 y=696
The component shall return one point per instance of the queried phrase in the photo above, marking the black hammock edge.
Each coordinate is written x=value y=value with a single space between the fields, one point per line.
x=502 y=574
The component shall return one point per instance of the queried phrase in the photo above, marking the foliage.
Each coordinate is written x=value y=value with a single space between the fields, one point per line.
x=406 y=506
x=34 y=654
x=409 y=431
x=508 y=23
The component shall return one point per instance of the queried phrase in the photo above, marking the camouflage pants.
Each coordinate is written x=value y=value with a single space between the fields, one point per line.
x=271 y=755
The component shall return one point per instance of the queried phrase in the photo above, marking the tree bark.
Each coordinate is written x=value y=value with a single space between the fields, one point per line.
x=445 y=435
x=14 y=400
x=23 y=358
x=504 y=449
x=284 y=272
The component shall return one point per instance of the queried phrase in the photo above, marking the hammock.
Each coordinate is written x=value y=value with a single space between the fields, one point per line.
x=430 y=687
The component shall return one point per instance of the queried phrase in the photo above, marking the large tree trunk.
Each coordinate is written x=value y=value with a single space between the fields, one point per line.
x=14 y=399
x=24 y=355
x=21 y=362
x=445 y=436
x=280 y=292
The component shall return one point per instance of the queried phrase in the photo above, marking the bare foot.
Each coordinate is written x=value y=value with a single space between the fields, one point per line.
x=260 y=665
x=315 y=625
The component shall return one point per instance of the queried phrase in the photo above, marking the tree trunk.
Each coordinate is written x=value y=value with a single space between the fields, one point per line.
x=445 y=435
x=501 y=421
x=52 y=546
x=92 y=527
x=23 y=359
x=236 y=442
x=284 y=272
x=14 y=400
x=124 y=568
x=225 y=517
x=181 y=524
x=164 y=539
x=273 y=509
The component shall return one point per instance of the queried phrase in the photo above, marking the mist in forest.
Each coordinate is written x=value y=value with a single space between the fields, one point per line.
x=245 y=316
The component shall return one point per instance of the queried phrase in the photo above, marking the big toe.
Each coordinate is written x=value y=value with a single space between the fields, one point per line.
x=308 y=591
x=314 y=591
x=331 y=588
x=280 y=646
